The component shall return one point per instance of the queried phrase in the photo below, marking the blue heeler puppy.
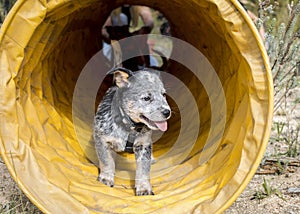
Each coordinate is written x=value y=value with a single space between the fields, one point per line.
x=124 y=121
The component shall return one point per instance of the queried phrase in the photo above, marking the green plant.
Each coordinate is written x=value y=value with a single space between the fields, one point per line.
x=293 y=142
x=285 y=133
x=267 y=191
x=282 y=42
x=280 y=167
x=279 y=128
x=281 y=21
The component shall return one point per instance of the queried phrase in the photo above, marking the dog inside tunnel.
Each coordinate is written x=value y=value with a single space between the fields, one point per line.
x=54 y=75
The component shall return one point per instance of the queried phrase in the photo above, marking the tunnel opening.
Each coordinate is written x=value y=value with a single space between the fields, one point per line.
x=45 y=64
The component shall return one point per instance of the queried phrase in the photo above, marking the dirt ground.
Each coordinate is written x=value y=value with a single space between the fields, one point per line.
x=12 y=199
x=283 y=203
x=274 y=189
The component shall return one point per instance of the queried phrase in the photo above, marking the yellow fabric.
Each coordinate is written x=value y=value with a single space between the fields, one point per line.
x=43 y=47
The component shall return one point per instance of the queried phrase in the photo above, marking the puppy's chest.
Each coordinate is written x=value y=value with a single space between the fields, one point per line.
x=117 y=142
x=124 y=142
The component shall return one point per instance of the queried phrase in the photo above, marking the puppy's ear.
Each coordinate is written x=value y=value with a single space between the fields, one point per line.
x=121 y=78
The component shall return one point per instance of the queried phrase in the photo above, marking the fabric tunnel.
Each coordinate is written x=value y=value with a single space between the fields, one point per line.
x=220 y=88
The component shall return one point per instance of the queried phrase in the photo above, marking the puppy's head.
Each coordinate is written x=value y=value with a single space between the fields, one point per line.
x=142 y=97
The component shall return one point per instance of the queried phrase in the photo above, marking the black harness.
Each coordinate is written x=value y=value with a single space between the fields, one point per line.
x=130 y=126
x=129 y=144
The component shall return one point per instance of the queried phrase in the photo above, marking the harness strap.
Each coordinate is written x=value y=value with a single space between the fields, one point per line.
x=132 y=127
x=129 y=147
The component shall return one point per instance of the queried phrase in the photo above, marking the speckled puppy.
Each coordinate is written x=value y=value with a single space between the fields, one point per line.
x=128 y=113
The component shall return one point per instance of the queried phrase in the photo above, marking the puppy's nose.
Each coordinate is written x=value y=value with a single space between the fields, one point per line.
x=166 y=113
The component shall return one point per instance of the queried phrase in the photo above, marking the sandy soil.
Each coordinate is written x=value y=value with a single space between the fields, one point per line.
x=282 y=202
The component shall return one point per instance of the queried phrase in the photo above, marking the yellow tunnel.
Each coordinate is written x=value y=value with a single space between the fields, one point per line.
x=45 y=45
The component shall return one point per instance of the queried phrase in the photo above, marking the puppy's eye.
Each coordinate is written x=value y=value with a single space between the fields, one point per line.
x=164 y=94
x=148 y=98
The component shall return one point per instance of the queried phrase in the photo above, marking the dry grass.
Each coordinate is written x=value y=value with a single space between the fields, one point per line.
x=12 y=199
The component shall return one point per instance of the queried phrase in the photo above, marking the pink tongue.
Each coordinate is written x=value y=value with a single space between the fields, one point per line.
x=163 y=126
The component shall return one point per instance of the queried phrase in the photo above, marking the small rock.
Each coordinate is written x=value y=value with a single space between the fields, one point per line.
x=294 y=190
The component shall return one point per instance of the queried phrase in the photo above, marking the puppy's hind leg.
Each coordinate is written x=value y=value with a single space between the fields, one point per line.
x=106 y=163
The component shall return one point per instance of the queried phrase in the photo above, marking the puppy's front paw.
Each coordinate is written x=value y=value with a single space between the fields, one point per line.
x=143 y=188
x=106 y=179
